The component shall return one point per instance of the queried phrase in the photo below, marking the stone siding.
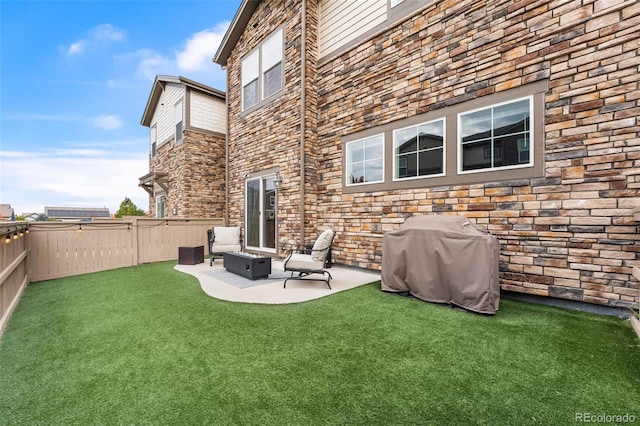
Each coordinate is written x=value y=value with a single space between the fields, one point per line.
x=567 y=234
x=268 y=137
x=196 y=174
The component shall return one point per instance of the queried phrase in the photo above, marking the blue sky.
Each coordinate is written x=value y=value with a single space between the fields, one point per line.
x=75 y=77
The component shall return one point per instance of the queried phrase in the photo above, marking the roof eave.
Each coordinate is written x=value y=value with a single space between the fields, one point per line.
x=235 y=30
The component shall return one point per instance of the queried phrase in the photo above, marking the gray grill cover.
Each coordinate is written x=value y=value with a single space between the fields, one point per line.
x=443 y=259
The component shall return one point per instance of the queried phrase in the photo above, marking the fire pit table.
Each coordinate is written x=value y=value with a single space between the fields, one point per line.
x=247 y=265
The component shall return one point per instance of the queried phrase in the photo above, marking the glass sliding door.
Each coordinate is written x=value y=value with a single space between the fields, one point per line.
x=261 y=214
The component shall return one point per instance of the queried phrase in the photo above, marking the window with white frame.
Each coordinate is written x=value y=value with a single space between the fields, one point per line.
x=419 y=150
x=262 y=71
x=496 y=137
x=250 y=74
x=153 y=139
x=396 y=2
x=365 y=160
x=160 y=206
x=271 y=52
x=179 y=121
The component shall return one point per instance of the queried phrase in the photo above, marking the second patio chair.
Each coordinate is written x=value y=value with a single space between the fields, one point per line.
x=224 y=239
x=313 y=263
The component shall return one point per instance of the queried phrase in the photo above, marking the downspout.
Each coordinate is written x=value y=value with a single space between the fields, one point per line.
x=226 y=155
x=303 y=110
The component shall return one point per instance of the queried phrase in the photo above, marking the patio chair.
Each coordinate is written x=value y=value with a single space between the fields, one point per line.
x=314 y=263
x=224 y=239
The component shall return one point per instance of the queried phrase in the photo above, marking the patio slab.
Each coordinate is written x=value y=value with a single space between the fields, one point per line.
x=271 y=291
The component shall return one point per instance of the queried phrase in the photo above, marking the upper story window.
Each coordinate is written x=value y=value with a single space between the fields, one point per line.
x=419 y=150
x=365 y=160
x=496 y=137
x=179 y=121
x=153 y=139
x=262 y=71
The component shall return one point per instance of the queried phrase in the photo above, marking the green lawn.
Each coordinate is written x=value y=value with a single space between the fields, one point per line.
x=145 y=345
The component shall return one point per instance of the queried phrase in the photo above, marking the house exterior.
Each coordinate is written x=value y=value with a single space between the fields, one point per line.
x=521 y=116
x=6 y=212
x=76 y=213
x=187 y=126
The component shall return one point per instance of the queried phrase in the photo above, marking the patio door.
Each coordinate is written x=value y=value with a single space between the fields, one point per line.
x=261 y=215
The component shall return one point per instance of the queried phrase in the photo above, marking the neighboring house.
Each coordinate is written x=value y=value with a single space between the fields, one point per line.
x=187 y=124
x=522 y=116
x=6 y=212
x=76 y=213
x=31 y=217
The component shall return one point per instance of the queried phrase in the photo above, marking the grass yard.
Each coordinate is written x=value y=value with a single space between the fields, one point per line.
x=145 y=345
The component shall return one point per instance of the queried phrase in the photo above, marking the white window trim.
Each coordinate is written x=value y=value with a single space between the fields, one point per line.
x=382 y=159
x=493 y=169
x=444 y=152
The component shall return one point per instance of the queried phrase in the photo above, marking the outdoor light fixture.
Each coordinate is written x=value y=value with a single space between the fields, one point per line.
x=80 y=228
x=15 y=235
x=7 y=239
x=277 y=182
x=174 y=211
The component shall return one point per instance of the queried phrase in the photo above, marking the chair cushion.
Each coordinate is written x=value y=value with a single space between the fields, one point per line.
x=222 y=248
x=226 y=235
x=303 y=262
x=323 y=242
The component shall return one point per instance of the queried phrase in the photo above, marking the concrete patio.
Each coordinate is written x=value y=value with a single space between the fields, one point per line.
x=271 y=291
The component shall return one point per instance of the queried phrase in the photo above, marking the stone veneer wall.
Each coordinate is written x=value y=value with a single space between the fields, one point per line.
x=196 y=175
x=269 y=136
x=569 y=234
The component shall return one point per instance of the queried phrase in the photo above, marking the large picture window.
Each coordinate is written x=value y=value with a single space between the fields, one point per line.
x=262 y=71
x=419 y=150
x=365 y=160
x=496 y=137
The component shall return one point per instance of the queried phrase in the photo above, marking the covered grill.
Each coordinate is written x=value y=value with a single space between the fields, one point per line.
x=443 y=259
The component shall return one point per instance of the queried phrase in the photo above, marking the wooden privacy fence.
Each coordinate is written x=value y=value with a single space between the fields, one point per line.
x=59 y=249
x=14 y=275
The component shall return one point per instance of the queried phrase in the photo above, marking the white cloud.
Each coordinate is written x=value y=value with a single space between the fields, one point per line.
x=73 y=177
x=102 y=34
x=152 y=63
x=77 y=47
x=108 y=122
x=200 y=49
x=108 y=32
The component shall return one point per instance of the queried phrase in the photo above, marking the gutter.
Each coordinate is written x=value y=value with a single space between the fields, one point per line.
x=303 y=111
